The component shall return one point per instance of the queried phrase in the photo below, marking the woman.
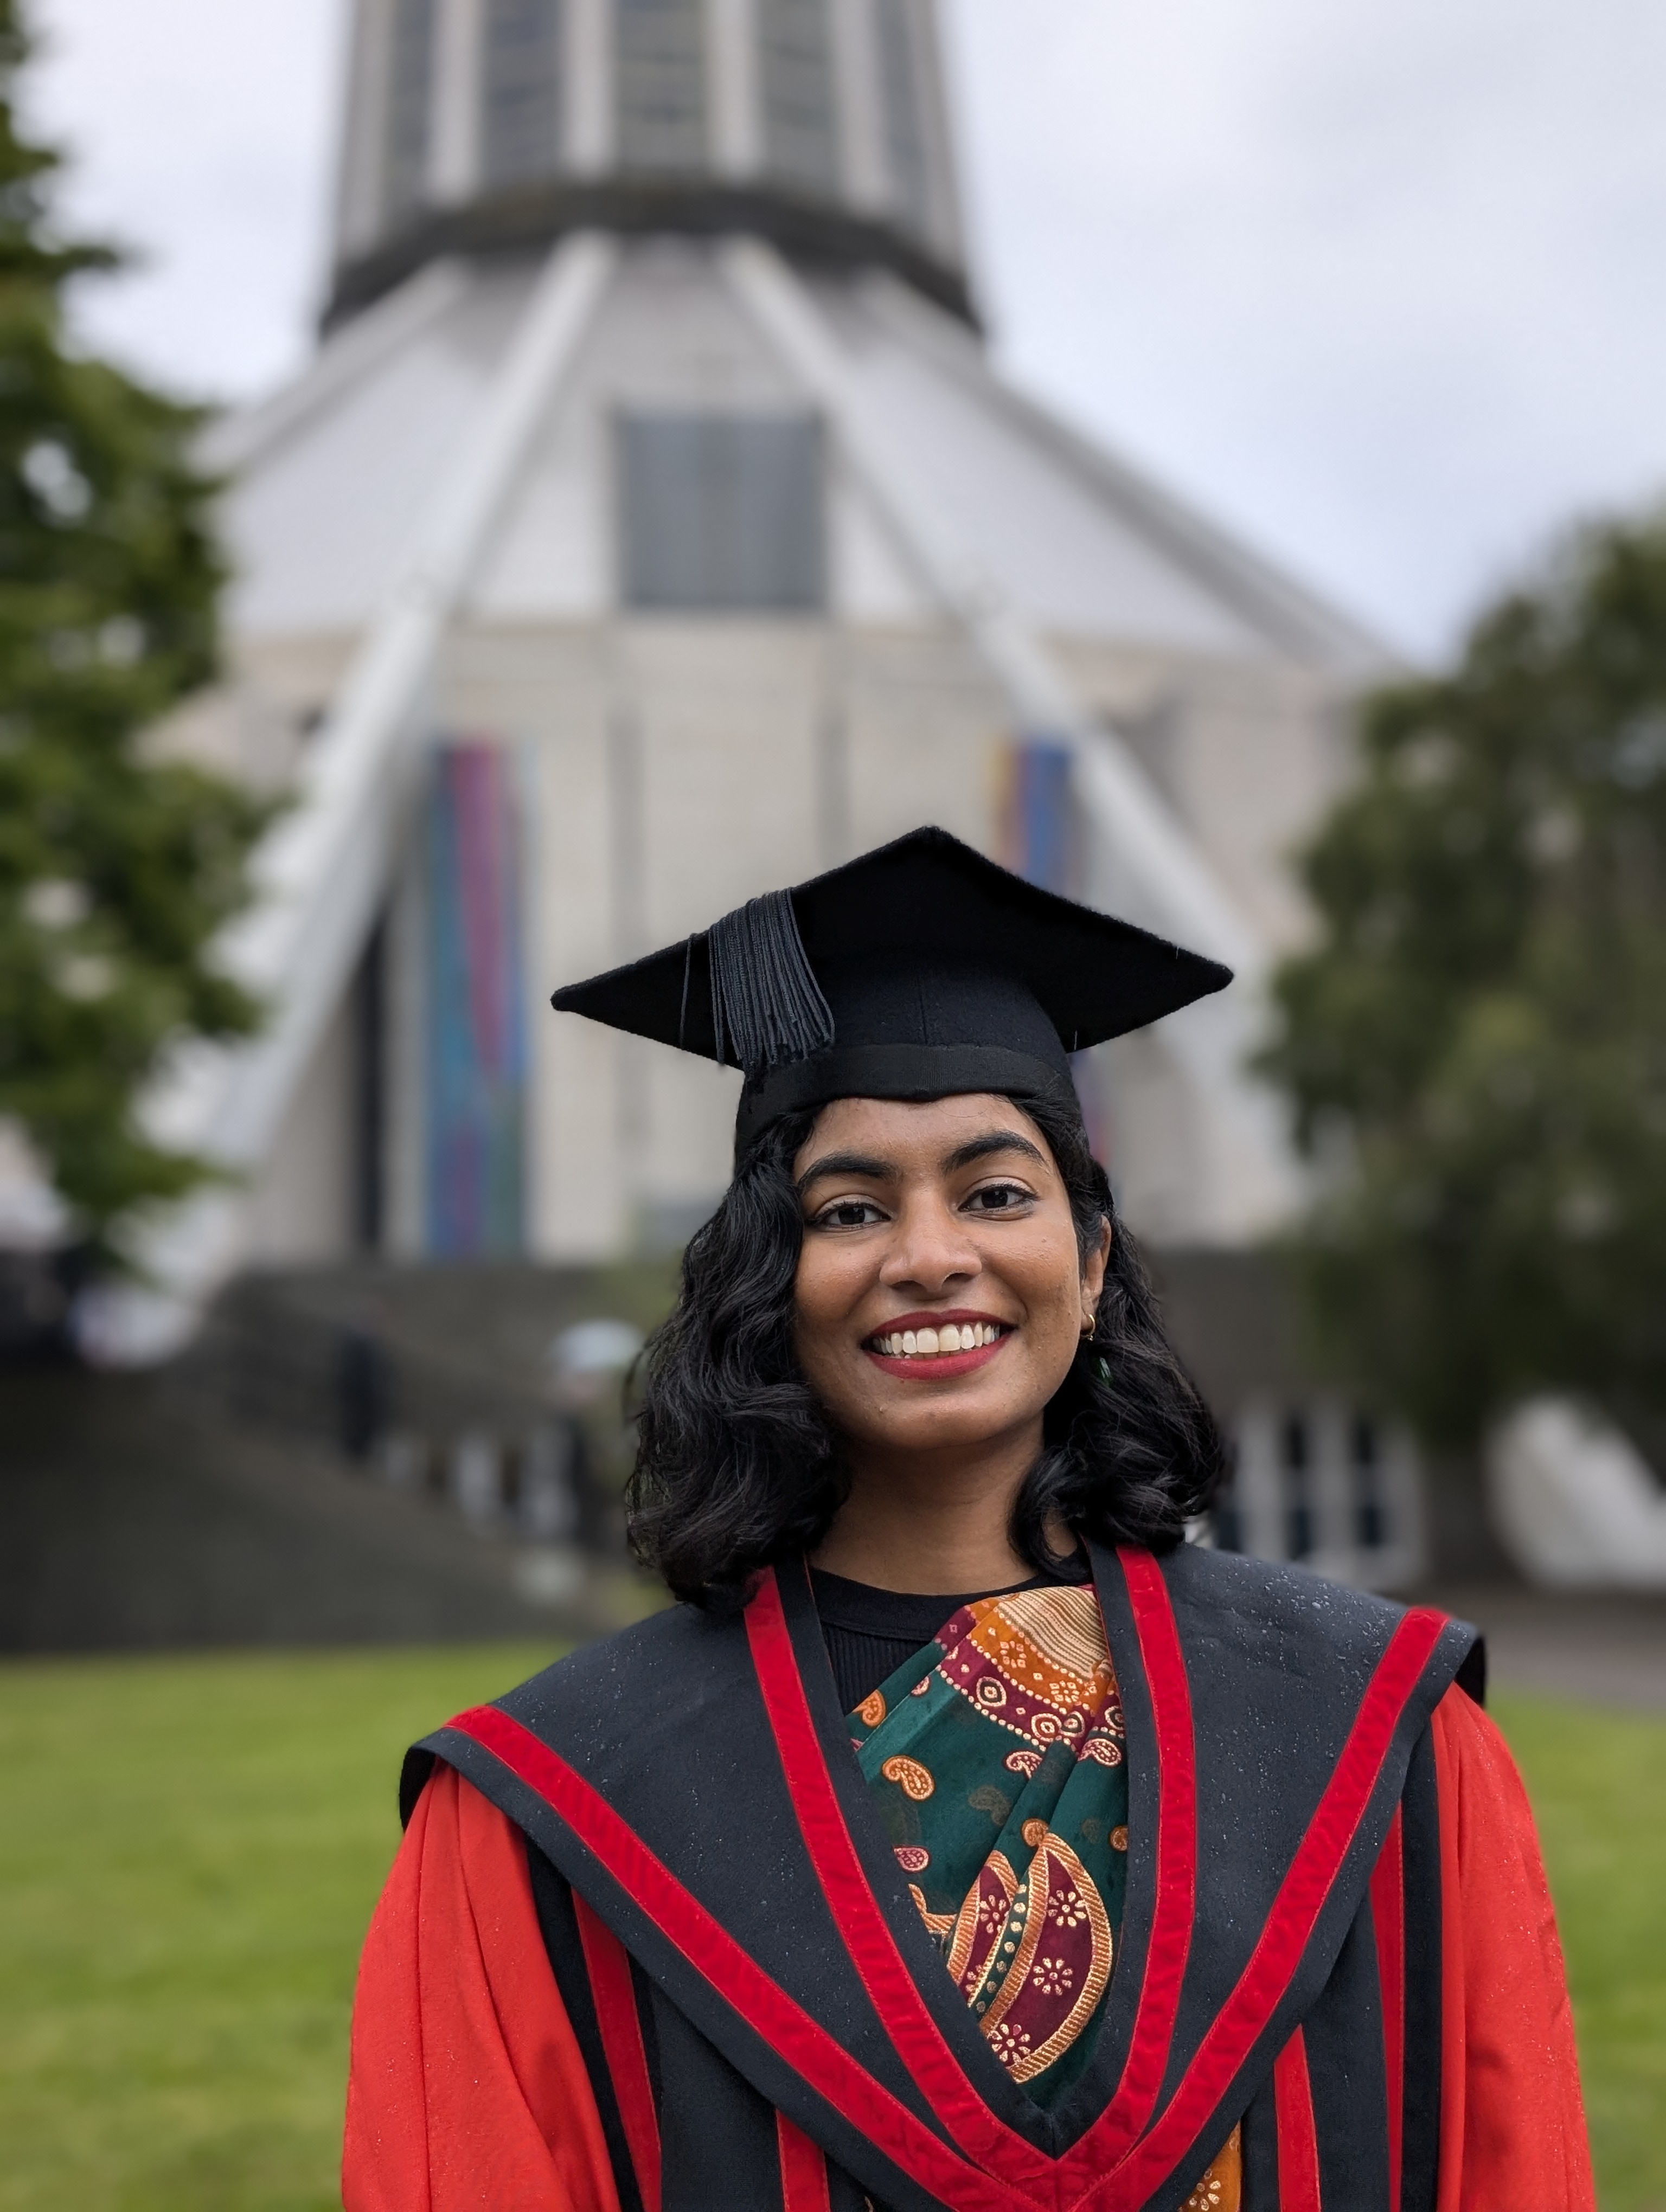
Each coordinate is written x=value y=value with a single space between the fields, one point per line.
x=965 y=1839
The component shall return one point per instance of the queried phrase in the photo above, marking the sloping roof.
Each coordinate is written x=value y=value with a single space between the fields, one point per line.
x=332 y=473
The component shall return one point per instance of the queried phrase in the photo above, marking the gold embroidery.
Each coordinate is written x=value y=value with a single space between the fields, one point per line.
x=913 y=1779
x=872 y=1711
x=1119 y=1839
x=1222 y=2187
x=1032 y=1831
x=978 y=1904
x=1061 y=1896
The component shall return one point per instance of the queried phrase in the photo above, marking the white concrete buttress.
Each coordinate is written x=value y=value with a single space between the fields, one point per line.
x=1142 y=860
x=321 y=872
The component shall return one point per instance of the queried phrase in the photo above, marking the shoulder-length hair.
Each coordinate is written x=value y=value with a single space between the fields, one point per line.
x=738 y=1465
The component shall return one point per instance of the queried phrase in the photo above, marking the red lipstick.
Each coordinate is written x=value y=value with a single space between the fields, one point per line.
x=942 y=1366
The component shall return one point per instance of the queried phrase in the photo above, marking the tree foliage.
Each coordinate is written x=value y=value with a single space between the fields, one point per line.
x=1476 y=1048
x=115 y=870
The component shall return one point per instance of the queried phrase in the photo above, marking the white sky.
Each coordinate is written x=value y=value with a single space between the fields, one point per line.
x=1383 y=286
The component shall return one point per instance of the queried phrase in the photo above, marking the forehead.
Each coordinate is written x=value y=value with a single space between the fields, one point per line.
x=912 y=1132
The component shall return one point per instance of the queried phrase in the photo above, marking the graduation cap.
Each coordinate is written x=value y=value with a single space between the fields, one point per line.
x=918 y=970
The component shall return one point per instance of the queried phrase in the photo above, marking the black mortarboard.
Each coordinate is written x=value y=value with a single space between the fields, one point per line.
x=918 y=970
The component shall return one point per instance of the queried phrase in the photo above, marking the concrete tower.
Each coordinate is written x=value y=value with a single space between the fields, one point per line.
x=489 y=126
x=651 y=528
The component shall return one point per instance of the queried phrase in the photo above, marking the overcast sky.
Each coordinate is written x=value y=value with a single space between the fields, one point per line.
x=1382 y=285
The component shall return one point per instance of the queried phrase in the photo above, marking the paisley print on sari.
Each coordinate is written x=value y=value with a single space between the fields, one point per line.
x=995 y=1754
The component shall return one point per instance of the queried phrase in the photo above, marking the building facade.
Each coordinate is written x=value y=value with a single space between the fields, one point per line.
x=653 y=528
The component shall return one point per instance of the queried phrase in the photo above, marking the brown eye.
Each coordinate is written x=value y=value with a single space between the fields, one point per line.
x=1000 y=1197
x=849 y=1214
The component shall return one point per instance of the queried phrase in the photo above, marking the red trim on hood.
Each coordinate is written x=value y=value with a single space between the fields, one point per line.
x=804 y=2186
x=1289 y=1927
x=867 y=1936
x=738 y=1978
x=1298 y=2140
x=608 y=1964
x=1174 y=1910
x=1388 y=1912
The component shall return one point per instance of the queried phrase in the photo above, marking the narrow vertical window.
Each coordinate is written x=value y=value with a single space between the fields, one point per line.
x=902 y=96
x=661 y=73
x=520 y=87
x=476 y=1055
x=796 y=71
x=409 y=103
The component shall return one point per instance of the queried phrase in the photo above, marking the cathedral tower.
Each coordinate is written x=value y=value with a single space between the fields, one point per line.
x=649 y=528
x=492 y=126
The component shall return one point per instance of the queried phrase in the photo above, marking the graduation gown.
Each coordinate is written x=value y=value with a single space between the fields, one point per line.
x=646 y=1944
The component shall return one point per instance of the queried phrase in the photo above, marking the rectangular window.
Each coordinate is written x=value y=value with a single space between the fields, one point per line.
x=902 y=91
x=800 y=139
x=660 y=72
x=409 y=103
x=521 y=85
x=721 y=513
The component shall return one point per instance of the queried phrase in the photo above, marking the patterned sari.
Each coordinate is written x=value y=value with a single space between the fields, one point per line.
x=995 y=1755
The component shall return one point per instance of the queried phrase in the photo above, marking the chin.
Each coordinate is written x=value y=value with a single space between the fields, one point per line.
x=947 y=1422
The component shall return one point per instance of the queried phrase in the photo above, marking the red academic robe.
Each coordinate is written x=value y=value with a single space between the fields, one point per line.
x=468 y=2089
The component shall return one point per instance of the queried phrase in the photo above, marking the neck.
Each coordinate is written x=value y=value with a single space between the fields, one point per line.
x=934 y=1523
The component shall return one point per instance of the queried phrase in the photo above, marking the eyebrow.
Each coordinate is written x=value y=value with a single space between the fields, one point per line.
x=869 y=1168
x=997 y=1141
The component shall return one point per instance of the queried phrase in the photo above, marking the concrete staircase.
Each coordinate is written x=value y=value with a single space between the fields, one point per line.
x=133 y=1517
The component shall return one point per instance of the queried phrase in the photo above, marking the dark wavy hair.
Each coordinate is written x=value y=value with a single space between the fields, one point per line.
x=738 y=1465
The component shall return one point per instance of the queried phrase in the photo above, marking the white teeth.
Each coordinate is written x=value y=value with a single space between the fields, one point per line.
x=937 y=1343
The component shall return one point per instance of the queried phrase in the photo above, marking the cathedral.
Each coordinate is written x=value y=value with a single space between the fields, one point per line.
x=651 y=527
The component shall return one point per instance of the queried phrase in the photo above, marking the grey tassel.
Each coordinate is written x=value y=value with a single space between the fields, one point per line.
x=767 y=1006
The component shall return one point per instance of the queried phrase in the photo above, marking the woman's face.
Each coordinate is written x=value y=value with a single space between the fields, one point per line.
x=941 y=1292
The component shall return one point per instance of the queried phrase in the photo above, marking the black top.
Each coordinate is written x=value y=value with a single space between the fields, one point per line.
x=871 y=1632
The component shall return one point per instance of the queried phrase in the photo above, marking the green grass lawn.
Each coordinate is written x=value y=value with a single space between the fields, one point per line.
x=190 y=1849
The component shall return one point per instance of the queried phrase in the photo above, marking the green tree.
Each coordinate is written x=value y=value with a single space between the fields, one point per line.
x=116 y=870
x=1476 y=1047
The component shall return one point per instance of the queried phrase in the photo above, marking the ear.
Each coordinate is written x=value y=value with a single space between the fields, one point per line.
x=1093 y=1271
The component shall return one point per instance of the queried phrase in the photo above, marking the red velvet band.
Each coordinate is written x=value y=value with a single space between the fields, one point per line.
x=1388 y=1912
x=1298 y=2141
x=1175 y=1907
x=891 y=1988
x=1114 y=2167
x=608 y=1963
x=803 y=2170
x=737 y=1978
x=1244 y=2017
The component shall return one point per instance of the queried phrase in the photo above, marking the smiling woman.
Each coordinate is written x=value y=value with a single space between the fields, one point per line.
x=965 y=1840
x=873 y=1218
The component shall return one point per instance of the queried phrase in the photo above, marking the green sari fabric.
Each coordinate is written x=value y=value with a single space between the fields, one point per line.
x=995 y=1757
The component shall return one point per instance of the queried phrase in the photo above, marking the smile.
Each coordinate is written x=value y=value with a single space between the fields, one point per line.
x=918 y=1349
x=938 y=1343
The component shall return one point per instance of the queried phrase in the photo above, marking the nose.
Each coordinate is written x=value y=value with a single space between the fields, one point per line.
x=931 y=1251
